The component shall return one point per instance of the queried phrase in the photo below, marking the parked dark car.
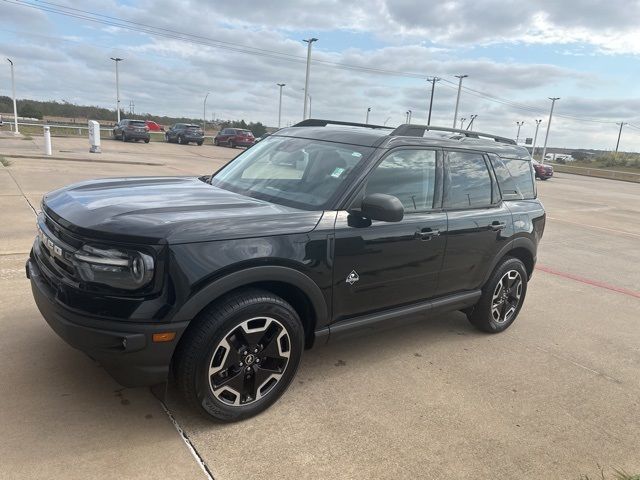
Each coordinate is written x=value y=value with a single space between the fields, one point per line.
x=543 y=171
x=234 y=137
x=314 y=233
x=135 y=130
x=184 y=133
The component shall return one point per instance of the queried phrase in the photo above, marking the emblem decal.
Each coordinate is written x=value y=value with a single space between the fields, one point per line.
x=353 y=277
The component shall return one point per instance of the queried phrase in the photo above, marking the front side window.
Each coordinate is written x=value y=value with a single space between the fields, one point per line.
x=408 y=175
x=297 y=172
x=467 y=182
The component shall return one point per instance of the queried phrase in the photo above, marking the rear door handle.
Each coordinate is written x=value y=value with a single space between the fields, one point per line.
x=427 y=234
x=497 y=225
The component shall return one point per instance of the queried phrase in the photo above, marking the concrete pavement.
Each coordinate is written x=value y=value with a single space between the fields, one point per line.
x=552 y=397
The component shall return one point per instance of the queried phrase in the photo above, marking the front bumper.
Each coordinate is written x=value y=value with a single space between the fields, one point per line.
x=125 y=350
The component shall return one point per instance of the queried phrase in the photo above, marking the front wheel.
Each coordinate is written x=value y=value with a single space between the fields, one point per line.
x=215 y=142
x=146 y=140
x=199 y=144
x=240 y=355
x=502 y=297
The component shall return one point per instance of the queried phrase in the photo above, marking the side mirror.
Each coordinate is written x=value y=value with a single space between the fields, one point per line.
x=385 y=208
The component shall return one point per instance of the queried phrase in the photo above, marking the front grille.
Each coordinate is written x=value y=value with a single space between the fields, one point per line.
x=56 y=249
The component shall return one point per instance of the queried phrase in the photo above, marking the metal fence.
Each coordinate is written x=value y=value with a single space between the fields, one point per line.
x=597 y=172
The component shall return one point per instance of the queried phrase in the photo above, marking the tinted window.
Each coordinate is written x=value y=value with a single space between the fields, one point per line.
x=292 y=171
x=467 y=183
x=408 y=175
x=137 y=123
x=522 y=173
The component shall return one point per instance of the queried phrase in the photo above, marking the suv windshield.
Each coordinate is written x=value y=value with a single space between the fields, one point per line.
x=297 y=172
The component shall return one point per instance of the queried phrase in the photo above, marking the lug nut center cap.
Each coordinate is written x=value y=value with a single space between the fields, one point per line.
x=250 y=359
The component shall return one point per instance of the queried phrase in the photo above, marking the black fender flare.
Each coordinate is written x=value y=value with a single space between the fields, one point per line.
x=270 y=273
x=519 y=242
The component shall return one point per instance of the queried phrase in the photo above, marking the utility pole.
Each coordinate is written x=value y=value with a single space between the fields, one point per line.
x=280 y=103
x=546 y=137
x=367 y=119
x=132 y=107
x=15 y=106
x=462 y=120
x=117 y=60
x=408 y=116
x=470 y=126
x=622 y=124
x=386 y=120
x=455 y=115
x=306 y=79
x=518 y=134
x=535 y=138
x=433 y=81
x=204 y=113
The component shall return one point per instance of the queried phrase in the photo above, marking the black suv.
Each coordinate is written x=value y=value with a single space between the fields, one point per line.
x=184 y=133
x=319 y=230
x=127 y=130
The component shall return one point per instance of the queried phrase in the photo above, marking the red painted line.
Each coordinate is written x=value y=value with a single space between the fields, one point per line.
x=588 y=281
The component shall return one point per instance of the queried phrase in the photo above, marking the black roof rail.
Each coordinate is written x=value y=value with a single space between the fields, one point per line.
x=314 y=122
x=409 y=130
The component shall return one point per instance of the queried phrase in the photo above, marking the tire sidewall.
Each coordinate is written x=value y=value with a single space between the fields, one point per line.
x=212 y=335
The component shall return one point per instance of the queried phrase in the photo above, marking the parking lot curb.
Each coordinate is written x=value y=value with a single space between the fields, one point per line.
x=85 y=160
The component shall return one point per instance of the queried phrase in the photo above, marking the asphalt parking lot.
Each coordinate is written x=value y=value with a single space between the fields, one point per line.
x=553 y=397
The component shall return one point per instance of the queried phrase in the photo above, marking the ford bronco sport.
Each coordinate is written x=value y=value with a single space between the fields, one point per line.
x=323 y=228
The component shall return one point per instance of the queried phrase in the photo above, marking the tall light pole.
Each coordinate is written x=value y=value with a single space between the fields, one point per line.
x=455 y=115
x=204 y=113
x=117 y=60
x=386 y=120
x=310 y=98
x=470 y=126
x=462 y=120
x=518 y=134
x=306 y=79
x=408 y=116
x=622 y=124
x=433 y=81
x=535 y=138
x=15 y=107
x=280 y=103
x=367 y=119
x=546 y=137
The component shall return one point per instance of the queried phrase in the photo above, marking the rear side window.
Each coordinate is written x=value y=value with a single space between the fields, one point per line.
x=467 y=182
x=408 y=175
x=521 y=172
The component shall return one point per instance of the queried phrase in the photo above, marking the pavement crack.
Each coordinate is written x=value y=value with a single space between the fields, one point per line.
x=190 y=446
x=22 y=192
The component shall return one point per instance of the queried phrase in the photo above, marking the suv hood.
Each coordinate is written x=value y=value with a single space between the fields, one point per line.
x=169 y=210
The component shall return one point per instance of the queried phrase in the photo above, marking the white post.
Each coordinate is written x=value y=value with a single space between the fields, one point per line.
x=306 y=78
x=94 y=137
x=15 y=107
x=47 y=140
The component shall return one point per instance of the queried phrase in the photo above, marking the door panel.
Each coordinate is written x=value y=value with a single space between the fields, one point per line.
x=394 y=263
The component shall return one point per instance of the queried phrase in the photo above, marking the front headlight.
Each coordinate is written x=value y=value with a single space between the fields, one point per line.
x=124 y=269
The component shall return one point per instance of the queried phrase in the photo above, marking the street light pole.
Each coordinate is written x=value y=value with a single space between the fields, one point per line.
x=280 y=103
x=470 y=126
x=535 y=138
x=455 y=115
x=619 y=135
x=367 y=119
x=306 y=79
x=518 y=134
x=546 y=137
x=433 y=81
x=15 y=107
x=462 y=120
x=204 y=113
x=117 y=60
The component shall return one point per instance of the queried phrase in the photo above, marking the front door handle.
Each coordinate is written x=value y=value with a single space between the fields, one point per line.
x=427 y=234
x=495 y=226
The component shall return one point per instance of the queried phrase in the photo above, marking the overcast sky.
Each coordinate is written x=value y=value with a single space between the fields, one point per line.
x=369 y=54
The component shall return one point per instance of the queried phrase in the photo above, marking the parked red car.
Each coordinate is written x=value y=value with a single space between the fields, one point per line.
x=234 y=137
x=153 y=126
x=543 y=172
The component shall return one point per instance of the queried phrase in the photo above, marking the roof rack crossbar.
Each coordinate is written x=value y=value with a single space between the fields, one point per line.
x=313 y=122
x=410 y=130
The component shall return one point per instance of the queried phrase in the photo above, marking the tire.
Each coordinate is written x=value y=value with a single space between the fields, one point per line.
x=124 y=137
x=231 y=144
x=502 y=297
x=180 y=140
x=215 y=142
x=166 y=138
x=200 y=144
x=217 y=341
x=146 y=140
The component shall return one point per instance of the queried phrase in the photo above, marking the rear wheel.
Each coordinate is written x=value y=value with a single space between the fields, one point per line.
x=124 y=137
x=200 y=143
x=146 y=140
x=232 y=144
x=239 y=355
x=502 y=297
x=215 y=142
